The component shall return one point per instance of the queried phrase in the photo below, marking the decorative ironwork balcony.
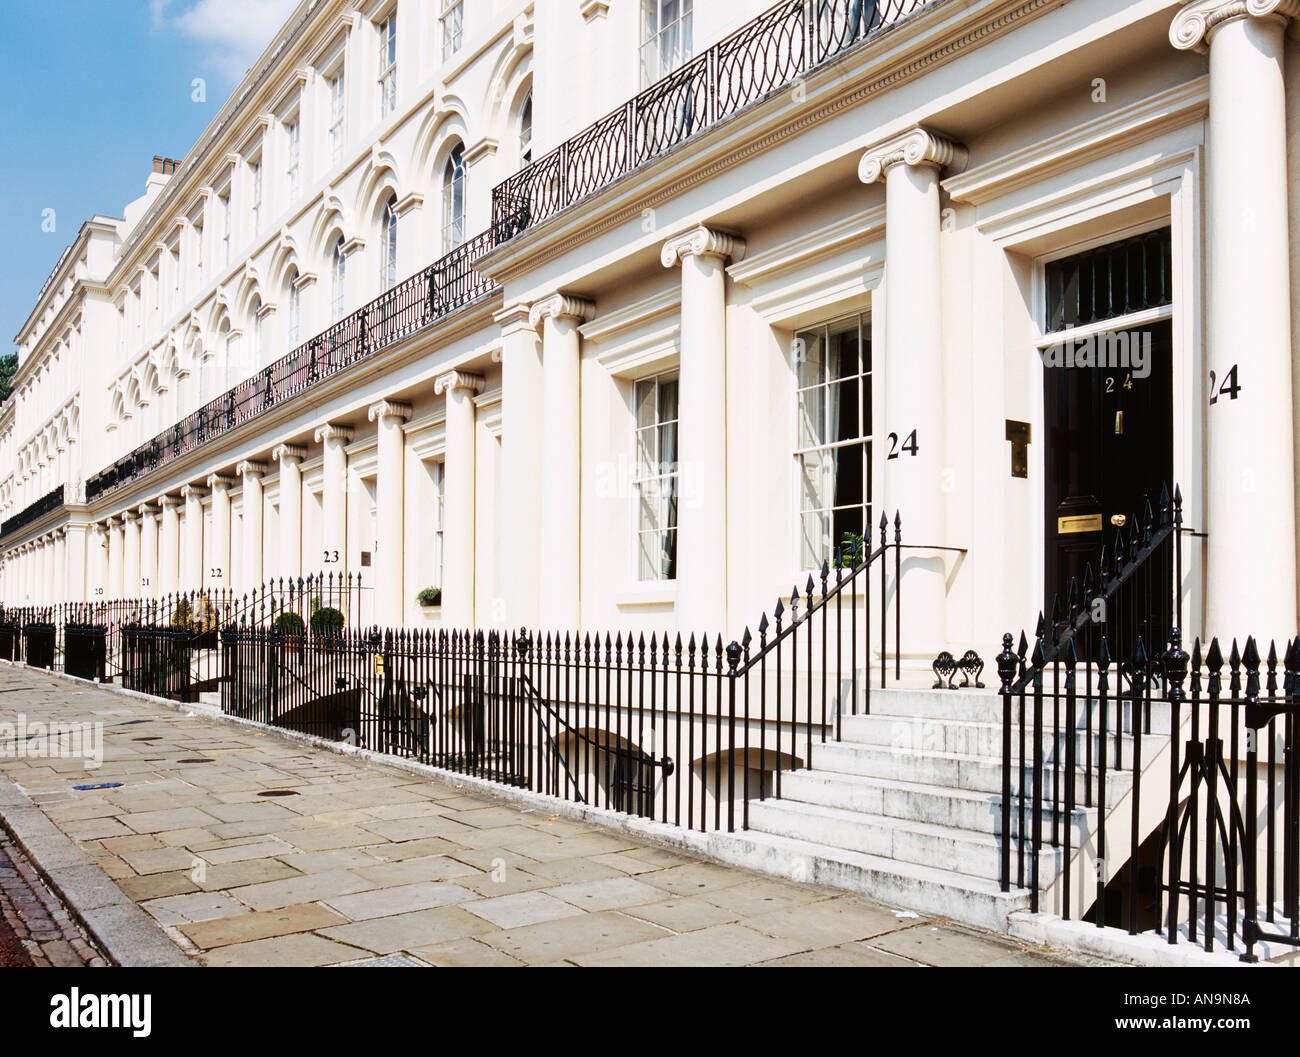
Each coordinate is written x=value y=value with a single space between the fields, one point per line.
x=766 y=54
x=38 y=509
x=443 y=287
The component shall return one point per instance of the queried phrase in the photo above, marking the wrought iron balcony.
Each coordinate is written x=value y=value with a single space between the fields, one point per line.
x=38 y=509
x=766 y=54
x=443 y=287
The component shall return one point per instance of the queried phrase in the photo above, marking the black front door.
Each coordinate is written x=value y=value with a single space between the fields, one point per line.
x=1108 y=411
x=1109 y=454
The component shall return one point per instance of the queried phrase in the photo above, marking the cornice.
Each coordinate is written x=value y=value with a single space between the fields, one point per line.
x=916 y=146
x=1195 y=23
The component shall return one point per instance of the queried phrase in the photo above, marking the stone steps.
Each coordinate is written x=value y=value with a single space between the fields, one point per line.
x=907 y=807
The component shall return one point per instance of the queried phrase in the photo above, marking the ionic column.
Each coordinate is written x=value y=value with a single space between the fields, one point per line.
x=702 y=426
x=251 y=556
x=131 y=554
x=458 y=498
x=521 y=467
x=116 y=547
x=913 y=370
x=148 y=551
x=290 y=458
x=334 y=498
x=60 y=578
x=389 y=543
x=76 y=589
x=1250 y=498
x=99 y=564
x=559 y=317
x=218 y=571
x=169 y=545
x=192 y=578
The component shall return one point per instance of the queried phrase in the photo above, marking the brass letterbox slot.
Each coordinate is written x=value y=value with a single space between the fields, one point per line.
x=1068 y=526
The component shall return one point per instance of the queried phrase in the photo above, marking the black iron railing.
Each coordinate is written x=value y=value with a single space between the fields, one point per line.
x=38 y=509
x=438 y=290
x=1103 y=699
x=768 y=53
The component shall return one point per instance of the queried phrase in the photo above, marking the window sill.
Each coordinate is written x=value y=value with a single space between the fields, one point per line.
x=656 y=594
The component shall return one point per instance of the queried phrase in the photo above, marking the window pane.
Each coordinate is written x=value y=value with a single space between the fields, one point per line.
x=645 y=403
x=812 y=417
x=668 y=400
x=812 y=353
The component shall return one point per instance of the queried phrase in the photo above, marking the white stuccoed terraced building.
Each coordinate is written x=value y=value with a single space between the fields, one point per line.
x=631 y=315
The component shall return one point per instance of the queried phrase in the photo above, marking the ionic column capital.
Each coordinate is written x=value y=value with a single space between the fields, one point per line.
x=248 y=468
x=916 y=146
x=168 y=502
x=702 y=242
x=146 y=510
x=1195 y=22
x=216 y=481
x=129 y=517
x=281 y=452
x=561 y=306
x=193 y=491
x=333 y=431
x=389 y=409
x=453 y=380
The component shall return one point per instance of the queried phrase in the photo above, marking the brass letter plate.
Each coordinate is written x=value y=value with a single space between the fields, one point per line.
x=1066 y=526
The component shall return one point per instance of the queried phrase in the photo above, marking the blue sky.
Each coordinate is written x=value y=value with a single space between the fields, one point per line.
x=93 y=90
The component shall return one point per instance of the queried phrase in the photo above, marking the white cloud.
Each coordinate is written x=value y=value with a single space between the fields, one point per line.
x=235 y=32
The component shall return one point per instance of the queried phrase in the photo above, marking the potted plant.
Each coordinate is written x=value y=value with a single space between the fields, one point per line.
x=326 y=622
x=430 y=596
x=291 y=627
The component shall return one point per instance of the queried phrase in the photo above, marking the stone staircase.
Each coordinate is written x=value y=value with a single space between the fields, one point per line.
x=906 y=807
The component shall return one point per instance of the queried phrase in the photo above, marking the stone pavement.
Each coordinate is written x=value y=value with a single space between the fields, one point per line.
x=249 y=849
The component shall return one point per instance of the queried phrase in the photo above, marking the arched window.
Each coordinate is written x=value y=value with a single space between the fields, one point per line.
x=295 y=310
x=526 y=130
x=453 y=199
x=388 y=246
x=338 y=270
x=255 y=350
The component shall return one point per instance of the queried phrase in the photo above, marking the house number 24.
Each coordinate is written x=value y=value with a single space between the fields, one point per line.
x=909 y=445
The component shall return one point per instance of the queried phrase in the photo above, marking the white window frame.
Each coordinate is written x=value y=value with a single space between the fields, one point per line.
x=255 y=180
x=526 y=131
x=659 y=472
x=337 y=112
x=387 y=65
x=665 y=46
x=338 y=280
x=388 y=246
x=453 y=226
x=451 y=22
x=295 y=312
x=827 y=383
x=440 y=491
x=293 y=151
x=227 y=208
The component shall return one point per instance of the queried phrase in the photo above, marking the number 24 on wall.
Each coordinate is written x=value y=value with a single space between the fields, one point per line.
x=1230 y=387
x=909 y=445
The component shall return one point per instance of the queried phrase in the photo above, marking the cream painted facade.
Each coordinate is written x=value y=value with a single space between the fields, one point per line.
x=919 y=185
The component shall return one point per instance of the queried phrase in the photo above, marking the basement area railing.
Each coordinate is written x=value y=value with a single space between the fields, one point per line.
x=684 y=729
x=768 y=53
x=1172 y=801
x=445 y=286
